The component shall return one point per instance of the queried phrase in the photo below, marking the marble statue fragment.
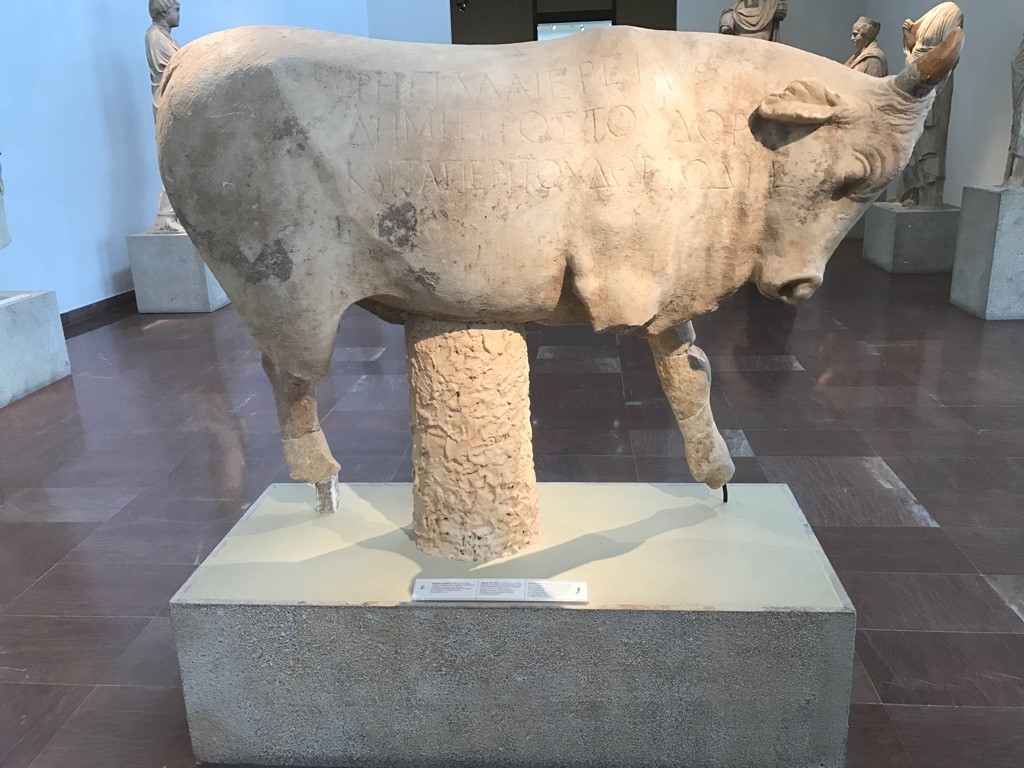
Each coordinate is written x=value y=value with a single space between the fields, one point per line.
x=5 y=235
x=160 y=47
x=924 y=179
x=870 y=58
x=1015 y=164
x=726 y=23
x=622 y=178
x=759 y=19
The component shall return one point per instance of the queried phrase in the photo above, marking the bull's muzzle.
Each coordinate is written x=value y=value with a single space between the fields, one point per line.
x=793 y=291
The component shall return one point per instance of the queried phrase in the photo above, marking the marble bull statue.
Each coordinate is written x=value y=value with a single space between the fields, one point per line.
x=623 y=178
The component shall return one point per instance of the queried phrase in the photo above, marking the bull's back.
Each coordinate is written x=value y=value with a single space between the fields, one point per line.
x=461 y=180
x=325 y=147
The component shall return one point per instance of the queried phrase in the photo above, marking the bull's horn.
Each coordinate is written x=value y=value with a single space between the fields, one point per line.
x=923 y=76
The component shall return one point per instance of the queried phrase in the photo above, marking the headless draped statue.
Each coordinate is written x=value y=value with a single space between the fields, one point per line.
x=924 y=179
x=870 y=58
x=1015 y=166
x=760 y=19
x=5 y=236
x=160 y=46
x=727 y=23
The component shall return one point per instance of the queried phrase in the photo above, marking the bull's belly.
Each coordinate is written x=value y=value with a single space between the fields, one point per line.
x=473 y=282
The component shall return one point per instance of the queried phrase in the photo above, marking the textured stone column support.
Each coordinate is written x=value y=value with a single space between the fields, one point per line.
x=474 y=487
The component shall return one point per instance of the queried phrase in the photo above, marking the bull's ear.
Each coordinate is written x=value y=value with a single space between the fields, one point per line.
x=806 y=102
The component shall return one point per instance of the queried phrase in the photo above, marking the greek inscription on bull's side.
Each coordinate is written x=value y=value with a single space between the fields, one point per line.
x=495 y=128
x=416 y=178
x=716 y=173
x=546 y=85
x=618 y=121
x=707 y=127
x=704 y=72
x=621 y=69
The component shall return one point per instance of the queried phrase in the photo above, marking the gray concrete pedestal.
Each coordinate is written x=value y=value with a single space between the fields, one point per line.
x=33 y=353
x=988 y=275
x=716 y=635
x=170 y=276
x=911 y=240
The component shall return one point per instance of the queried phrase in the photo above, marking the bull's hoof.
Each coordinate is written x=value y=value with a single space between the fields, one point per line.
x=709 y=460
x=720 y=474
x=328 y=496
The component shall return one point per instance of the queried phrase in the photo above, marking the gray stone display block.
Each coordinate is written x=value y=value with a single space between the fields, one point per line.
x=716 y=635
x=899 y=239
x=988 y=275
x=33 y=353
x=170 y=276
x=857 y=231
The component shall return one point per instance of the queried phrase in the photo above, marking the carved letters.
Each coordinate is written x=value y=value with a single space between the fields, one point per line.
x=523 y=132
x=541 y=87
x=507 y=175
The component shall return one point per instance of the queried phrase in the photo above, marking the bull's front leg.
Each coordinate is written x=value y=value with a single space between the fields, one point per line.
x=686 y=379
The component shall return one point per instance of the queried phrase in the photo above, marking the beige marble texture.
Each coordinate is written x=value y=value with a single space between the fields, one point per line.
x=685 y=375
x=623 y=178
x=474 y=487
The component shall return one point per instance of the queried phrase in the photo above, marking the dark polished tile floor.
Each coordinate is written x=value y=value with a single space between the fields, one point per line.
x=895 y=418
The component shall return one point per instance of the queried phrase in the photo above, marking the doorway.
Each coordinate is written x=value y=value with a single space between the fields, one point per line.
x=491 y=22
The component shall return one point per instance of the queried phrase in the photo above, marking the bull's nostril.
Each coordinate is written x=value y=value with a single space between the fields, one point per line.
x=797 y=290
x=786 y=290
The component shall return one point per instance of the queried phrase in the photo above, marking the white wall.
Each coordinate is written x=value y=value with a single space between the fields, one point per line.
x=820 y=26
x=76 y=130
x=414 y=21
x=979 y=132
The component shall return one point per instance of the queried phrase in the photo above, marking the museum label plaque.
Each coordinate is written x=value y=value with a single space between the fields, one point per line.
x=504 y=590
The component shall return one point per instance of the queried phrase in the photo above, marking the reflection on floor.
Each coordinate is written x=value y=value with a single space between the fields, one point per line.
x=897 y=420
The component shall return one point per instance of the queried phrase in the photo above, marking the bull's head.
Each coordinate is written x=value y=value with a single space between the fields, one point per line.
x=832 y=153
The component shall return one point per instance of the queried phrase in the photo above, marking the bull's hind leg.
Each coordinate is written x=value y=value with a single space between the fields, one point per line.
x=306 y=451
x=686 y=378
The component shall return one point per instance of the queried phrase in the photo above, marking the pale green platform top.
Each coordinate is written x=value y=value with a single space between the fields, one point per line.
x=674 y=547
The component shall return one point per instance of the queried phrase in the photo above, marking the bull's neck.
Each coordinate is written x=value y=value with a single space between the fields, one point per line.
x=710 y=277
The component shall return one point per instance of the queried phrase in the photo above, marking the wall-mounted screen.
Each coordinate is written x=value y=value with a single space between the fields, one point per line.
x=566 y=28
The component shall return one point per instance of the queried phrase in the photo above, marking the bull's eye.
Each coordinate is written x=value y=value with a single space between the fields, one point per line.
x=855 y=180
